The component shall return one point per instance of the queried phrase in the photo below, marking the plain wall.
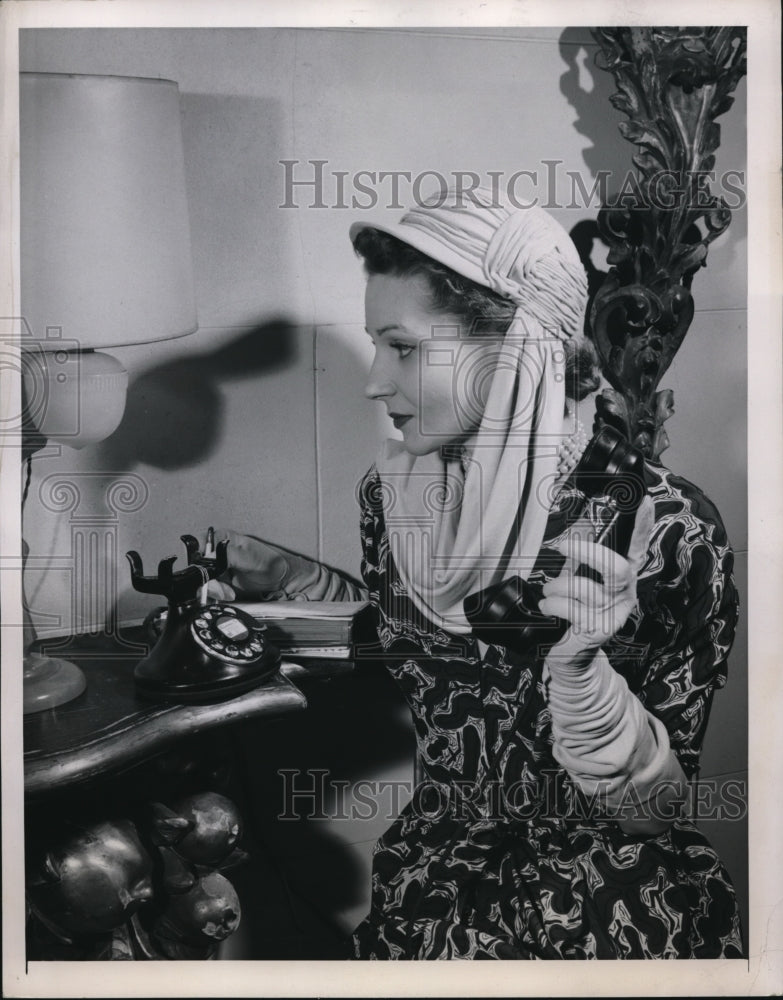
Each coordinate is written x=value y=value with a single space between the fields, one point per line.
x=258 y=421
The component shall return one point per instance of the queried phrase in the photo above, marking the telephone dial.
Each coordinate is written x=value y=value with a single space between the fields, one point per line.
x=204 y=652
x=508 y=613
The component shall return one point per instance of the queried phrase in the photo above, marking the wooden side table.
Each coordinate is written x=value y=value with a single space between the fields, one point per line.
x=128 y=825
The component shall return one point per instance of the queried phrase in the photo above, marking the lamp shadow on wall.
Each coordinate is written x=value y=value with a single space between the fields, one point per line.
x=175 y=411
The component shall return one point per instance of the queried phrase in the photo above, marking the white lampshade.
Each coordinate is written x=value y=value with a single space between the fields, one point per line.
x=105 y=237
x=105 y=262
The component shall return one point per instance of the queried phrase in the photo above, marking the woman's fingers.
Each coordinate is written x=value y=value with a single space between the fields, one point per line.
x=220 y=591
x=557 y=607
x=595 y=608
x=255 y=567
x=595 y=605
x=614 y=569
x=233 y=552
x=220 y=534
x=587 y=618
x=578 y=588
x=589 y=626
x=573 y=545
x=580 y=530
x=244 y=552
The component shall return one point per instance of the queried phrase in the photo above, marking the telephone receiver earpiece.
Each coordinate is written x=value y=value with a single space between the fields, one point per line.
x=507 y=613
x=611 y=466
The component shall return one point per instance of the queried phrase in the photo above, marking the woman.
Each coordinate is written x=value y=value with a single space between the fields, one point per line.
x=546 y=824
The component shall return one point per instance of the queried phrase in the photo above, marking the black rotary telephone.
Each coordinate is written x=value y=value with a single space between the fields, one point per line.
x=205 y=652
x=507 y=613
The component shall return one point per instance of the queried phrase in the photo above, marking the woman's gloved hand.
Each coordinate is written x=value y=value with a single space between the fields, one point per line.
x=595 y=610
x=255 y=568
x=259 y=570
x=603 y=736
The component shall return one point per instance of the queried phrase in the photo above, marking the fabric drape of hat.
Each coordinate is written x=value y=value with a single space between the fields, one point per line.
x=457 y=525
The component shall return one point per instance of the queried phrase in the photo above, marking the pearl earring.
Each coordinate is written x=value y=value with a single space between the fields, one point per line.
x=571 y=449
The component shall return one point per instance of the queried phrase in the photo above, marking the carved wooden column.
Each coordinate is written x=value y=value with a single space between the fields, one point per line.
x=672 y=84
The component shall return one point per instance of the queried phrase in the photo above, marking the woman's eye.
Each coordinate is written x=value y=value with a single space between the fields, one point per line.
x=402 y=349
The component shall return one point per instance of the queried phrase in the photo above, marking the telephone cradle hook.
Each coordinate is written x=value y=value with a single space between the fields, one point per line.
x=205 y=652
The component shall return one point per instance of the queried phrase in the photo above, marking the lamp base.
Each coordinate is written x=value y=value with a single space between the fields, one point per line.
x=49 y=682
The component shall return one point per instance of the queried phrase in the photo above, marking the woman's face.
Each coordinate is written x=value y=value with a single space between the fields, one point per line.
x=426 y=371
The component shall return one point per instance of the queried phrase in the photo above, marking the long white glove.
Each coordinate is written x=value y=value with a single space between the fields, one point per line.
x=612 y=746
x=307 y=580
x=259 y=570
x=608 y=742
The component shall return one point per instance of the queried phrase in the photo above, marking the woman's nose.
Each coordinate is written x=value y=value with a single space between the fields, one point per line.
x=378 y=384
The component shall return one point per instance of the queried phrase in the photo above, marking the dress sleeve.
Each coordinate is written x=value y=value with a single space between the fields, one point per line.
x=674 y=650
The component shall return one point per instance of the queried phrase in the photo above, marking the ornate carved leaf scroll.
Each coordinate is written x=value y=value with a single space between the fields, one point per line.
x=672 y=84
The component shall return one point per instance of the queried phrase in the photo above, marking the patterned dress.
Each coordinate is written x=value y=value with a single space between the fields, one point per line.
x=498 y=855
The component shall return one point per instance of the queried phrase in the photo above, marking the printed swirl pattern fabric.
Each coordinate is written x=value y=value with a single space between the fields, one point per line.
x=498 y=855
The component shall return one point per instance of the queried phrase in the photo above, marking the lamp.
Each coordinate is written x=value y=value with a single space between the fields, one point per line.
x=105 y=262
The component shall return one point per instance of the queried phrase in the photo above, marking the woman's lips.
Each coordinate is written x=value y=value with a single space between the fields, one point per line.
x=398 y=419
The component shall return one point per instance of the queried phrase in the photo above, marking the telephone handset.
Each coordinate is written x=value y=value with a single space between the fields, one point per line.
x=507 y=613
x=205 y=652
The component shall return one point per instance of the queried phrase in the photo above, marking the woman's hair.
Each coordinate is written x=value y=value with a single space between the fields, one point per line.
x=484 y=311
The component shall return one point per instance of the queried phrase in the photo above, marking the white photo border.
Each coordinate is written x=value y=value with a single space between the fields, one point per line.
x=761 y=974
